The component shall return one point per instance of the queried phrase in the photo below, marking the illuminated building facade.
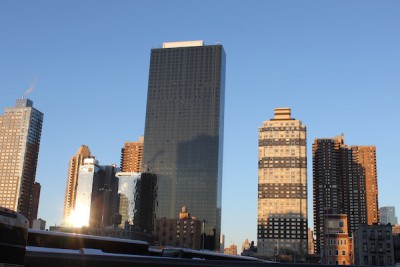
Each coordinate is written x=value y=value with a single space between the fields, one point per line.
x=311 y=242
x=282 y=187
x=20 y=132
x=132 y=156
x=75 y=163
x=97 y=195
x=338 y=244
x=364 y=162
x=231 y=250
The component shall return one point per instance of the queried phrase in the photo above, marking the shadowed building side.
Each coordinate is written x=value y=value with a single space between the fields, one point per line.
x=184 y=131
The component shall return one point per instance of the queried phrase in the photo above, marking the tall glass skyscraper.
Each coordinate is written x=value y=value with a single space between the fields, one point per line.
x=127 y=192
x=387 y=215
x=96 y=200
x=20 y=131
x=184 y=131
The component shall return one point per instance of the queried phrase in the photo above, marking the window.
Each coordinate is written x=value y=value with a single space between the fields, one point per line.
x=387 y=234
x=343 y=252
x=371 y=234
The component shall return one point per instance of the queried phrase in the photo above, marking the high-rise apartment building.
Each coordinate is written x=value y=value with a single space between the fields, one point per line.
x=327 y=183
x=364 y=157
x=282 y=187
x=344 y=182
x=20 y=131
x=132 y=155
x=184 y=131
x=388 y=215
x=75 y=163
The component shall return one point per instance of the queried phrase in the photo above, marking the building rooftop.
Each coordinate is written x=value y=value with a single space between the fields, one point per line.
x=23 y=102
x=183 y=44
x=282 y=114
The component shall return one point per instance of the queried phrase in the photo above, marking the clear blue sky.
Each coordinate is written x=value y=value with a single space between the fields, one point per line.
x=335 y=63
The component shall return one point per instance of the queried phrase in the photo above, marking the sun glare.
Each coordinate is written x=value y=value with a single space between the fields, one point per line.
x=79 y=217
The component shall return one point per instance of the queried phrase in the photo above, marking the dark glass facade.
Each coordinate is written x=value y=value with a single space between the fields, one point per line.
x=184 y=133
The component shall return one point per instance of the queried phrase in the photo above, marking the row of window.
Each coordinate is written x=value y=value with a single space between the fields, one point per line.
x=380 y=248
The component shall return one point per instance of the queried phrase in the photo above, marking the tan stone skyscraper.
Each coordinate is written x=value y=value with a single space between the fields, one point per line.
x=132 y=155
x=20 y=132
x=72 y=180
x=365 y=158
x=282 y=187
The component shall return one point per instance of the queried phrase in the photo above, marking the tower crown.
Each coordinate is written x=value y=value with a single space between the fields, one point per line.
x=23 y=102
x=282 y=114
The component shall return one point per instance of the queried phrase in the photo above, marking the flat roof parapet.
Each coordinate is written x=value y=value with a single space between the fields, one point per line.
x=183 y=44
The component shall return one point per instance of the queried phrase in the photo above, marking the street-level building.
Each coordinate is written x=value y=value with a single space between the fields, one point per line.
x=373 y=245
x=185 y=232
x=231 y=250
x=39 y=224
x=338 y=244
